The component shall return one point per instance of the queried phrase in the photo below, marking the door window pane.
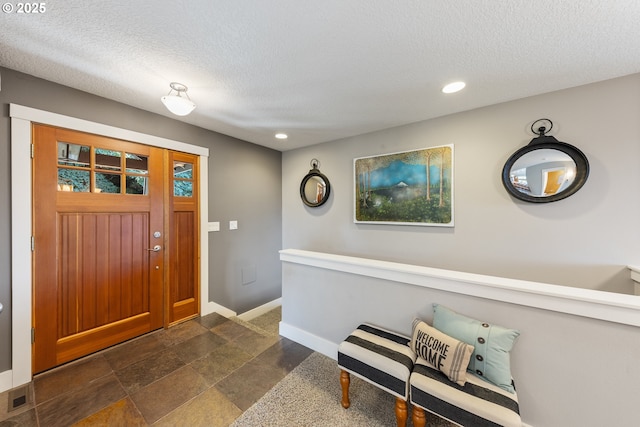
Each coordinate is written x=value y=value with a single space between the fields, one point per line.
x=137 y=163
x=74 y=180
x=183 y=170
x=183 y=188
x=137 y=185
x=108 y=159
x=107 y=183
x=74 y=155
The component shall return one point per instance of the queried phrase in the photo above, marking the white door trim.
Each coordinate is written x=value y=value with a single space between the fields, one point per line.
x=21 y=220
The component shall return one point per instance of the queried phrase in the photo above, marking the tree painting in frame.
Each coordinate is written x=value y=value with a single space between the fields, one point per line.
x=406 y=188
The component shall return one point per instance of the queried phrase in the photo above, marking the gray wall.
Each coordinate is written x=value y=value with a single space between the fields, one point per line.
x=244 y=180
x=245 y=186
x=586 y=240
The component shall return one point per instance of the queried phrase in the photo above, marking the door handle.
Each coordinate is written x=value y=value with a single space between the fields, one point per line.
x=156 y=248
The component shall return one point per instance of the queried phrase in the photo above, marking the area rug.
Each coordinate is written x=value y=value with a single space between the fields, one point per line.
x=310 y=395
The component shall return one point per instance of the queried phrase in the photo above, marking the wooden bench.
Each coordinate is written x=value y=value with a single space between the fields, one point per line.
x=380 y=357
x=476 y=404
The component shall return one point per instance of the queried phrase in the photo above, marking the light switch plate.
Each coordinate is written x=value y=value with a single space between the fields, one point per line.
x=233 y=225
x=214 y=226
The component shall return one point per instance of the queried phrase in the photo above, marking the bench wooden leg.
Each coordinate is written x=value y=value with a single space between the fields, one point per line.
x=345 y=380
x=417 y=417
x=401 y=412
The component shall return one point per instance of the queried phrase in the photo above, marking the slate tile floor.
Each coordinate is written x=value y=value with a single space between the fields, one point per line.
x=204 y=372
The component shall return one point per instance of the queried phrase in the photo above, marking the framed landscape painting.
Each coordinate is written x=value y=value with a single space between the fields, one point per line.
x=406 y=188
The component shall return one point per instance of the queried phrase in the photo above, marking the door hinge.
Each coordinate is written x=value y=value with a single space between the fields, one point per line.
x=33 y=243
x=32 y=151
x=33 y=335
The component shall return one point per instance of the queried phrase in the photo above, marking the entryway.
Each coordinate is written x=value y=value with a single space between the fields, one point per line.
x=115 y=242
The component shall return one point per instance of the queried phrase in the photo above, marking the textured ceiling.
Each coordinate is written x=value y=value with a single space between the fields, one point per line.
x=322 y=70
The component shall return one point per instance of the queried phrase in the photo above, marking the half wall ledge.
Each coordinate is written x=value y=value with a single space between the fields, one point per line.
x=609 y=306
x=635 y=276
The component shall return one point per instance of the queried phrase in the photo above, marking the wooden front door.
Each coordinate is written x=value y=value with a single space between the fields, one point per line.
x=100 y=243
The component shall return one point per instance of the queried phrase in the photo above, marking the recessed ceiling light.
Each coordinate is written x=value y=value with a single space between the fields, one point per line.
x=282 y=136
x=453 y=87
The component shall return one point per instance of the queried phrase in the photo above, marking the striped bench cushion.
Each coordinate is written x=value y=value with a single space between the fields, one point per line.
x=380 y=357
x=478 y=403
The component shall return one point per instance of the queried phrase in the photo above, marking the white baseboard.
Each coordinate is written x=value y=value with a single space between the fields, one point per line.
x=212 y=307
x=6 y=380
x=314 y=342
x=259 y=311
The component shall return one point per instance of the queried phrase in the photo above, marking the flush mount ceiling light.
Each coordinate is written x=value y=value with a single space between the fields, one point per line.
x=177 y=104
x=453 y=87
x=282 y=136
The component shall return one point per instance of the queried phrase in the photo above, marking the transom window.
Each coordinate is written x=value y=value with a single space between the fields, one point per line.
x=85 y=169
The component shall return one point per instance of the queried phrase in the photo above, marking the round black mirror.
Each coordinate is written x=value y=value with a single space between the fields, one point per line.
x=546 y=170
x=315 y=187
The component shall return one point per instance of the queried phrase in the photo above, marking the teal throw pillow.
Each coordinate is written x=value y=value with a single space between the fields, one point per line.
x=491 y=359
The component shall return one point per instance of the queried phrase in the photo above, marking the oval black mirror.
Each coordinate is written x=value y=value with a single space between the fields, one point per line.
x=545 y=171
x=314 y=188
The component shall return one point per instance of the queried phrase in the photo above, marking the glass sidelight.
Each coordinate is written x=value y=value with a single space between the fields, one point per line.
x=182 y=179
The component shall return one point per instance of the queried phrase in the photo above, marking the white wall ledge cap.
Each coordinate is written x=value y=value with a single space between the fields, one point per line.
x=635 y=272
x=635 y=276
x=610 y=306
